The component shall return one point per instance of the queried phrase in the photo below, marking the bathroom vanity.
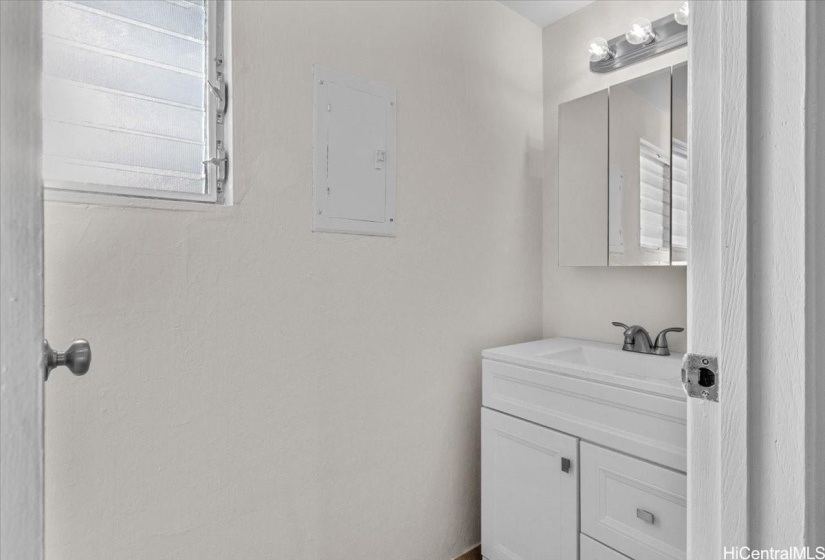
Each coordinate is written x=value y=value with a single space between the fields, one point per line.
x=583 y=453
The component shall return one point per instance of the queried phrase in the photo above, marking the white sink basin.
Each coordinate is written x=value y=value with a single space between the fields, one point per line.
x=626 y=363
x=597 y=361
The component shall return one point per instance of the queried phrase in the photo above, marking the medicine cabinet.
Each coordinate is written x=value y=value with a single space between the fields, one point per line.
x=623 y=185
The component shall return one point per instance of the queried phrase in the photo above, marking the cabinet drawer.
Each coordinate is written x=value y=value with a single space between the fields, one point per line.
x=633 y=506
x=594 y=550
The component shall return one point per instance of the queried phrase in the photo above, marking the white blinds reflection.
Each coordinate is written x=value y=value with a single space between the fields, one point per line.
x=680 y=195
x=654 y=197
x=123 y=95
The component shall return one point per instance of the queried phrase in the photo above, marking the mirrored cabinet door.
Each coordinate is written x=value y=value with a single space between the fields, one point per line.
x=679 y=167
x=623 y=174
x=583 y=181
x=639 y=172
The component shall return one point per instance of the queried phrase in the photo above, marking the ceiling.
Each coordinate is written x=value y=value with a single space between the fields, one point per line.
x=545 y=12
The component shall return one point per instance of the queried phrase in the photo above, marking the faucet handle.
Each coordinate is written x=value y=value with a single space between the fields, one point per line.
x=660 y=346
x=628 y=336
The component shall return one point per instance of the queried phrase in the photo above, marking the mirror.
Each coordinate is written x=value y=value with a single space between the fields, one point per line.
x=679 y=167
x=583 y=180
x=639 y=172
x=623 y=174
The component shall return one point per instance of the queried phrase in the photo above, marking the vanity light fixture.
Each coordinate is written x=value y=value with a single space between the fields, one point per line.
x=681 y=15
x=644 y=39
x=599 y=50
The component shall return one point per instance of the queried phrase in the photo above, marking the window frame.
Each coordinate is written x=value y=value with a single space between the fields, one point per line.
x=217 y=193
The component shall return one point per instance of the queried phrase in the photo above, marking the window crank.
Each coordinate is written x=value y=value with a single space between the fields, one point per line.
x=77 y=358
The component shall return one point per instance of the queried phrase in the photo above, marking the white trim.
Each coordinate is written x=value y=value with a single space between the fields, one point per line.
x=703 y=310
x=733 y=282
x=61 y=196
x=21 y=284
x=718 y=455
x=212 y=132
x=815 y=275
x=229 y=115
x=64 y=190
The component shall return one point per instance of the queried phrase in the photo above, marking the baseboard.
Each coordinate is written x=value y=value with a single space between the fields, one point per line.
x=472 y=554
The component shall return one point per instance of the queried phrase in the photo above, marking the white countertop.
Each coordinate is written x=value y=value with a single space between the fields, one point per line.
x=598 y=362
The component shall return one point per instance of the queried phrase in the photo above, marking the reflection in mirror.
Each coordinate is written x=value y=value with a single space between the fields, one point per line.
x=679 y=180
x=583 y=181
x=639 y=172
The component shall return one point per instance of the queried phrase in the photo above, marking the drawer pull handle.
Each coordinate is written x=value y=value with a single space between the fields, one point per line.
x=645 y=516
x=565 y=464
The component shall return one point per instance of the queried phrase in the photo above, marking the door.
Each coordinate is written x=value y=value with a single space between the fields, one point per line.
x=21 y=285
x=529 y=490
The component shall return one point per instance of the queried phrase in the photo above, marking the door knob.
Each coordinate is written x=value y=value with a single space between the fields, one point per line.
x=77 y=358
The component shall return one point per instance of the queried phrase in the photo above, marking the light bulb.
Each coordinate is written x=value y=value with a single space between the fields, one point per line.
x=681 y=15
x=640 y=32
x=599 y=50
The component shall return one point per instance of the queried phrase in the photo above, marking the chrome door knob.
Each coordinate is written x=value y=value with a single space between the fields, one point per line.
x=77 y=357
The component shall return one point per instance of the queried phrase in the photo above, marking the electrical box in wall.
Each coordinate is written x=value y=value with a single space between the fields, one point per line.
x=354 y=155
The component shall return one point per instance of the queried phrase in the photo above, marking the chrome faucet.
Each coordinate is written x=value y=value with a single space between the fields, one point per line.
x=637 y=339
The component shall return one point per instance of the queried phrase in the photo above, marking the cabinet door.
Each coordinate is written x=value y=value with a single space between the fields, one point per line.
x=583 y=185
x=529 y=491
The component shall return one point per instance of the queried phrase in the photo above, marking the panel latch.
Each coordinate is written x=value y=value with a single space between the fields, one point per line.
x=700 y=377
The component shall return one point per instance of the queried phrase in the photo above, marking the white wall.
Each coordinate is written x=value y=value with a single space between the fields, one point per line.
x=259 y=391
x=582 y=301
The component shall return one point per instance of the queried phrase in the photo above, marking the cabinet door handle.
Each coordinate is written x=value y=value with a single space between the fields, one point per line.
x=645 y=516
x=565 y=464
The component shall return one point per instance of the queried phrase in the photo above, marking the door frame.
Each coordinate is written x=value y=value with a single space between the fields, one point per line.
x=717 y=273
x=21 y=284
x=756 y=261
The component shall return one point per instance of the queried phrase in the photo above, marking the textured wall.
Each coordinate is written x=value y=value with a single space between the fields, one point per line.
x=582 y=301
x=259 y=391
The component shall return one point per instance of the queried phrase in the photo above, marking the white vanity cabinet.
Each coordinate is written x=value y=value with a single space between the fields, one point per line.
x=583 y=453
